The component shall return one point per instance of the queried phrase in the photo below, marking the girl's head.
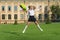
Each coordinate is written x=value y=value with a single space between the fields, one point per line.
x=31 y=7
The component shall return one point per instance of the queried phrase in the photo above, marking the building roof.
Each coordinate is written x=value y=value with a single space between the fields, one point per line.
x=29 y=0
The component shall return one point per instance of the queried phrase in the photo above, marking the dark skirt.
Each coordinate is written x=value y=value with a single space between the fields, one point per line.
x=31 y=19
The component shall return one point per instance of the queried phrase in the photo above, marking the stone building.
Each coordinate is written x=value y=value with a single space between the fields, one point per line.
x=10 y=10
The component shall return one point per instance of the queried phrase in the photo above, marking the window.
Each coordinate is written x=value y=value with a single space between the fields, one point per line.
x=15 y=8
x=45 y=9
x=3 y=16
x=58 y=16
x=3 y=8
x=21 y=16
x=40 y=7
x=15 y=16
x=45 y=16
x=9 y=8
x=40 y=16
x=9 y=16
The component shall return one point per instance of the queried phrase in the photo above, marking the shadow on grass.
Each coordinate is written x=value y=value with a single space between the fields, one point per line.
x=56 y=33
x=11 y=32
x=14 y=36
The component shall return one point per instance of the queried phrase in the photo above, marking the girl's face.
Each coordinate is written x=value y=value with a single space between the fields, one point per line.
x=31 y=7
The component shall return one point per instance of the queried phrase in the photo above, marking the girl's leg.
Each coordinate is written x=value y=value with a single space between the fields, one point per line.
x=38 y=26
x=26 y=27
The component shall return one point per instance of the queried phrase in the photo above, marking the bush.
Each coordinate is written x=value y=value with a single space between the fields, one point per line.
x=55 y=9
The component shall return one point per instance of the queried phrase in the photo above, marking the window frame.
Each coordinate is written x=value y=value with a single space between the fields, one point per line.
x=3 y=8
x=3 y=16
x=15 y=16
x=9 y=16
x=15 y=8
x=9 y=8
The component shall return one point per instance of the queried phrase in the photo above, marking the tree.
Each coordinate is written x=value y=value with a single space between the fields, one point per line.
x=55 y=9
x=47 y=11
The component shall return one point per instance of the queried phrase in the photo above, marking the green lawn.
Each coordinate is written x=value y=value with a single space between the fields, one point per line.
x=14 y=32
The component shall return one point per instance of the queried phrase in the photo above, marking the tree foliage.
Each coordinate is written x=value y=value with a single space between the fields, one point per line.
x=55 y=9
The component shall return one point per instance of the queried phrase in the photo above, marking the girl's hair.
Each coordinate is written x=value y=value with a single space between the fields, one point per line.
x=29 y=7
x=32 y=6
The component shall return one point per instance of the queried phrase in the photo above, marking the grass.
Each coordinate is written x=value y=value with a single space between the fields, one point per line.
x=14 y=32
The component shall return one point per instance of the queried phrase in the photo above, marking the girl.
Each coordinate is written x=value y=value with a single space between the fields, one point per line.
x=31 y=13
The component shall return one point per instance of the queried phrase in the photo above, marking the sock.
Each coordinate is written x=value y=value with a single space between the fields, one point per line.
x=40 y=27
x=25 y=29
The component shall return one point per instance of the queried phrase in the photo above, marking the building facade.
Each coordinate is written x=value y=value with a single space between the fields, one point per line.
x=10 y=10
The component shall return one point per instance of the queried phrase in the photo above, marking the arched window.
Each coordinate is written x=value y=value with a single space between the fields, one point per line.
x=15 y=8
x=40 y=16
x=9 y=8
x=22 y=16
x=15 y=16
x=3 y=8
x=3 y=16
x=45 y=16
x=9 y=16
x=45 y=9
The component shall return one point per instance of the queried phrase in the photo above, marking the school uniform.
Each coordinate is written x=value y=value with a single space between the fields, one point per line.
x=31 y=16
